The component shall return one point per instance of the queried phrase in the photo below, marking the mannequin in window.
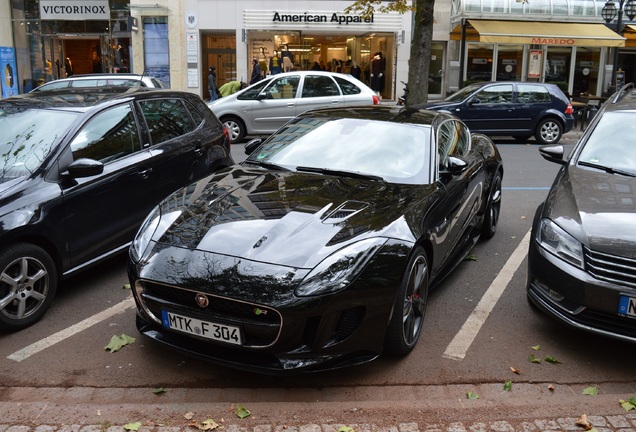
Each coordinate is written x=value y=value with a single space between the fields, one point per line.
x=275 y=65
x=68 y=66
x=288 y=59
x=378 y=65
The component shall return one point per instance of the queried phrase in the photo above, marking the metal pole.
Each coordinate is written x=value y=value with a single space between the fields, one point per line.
x=619 y=30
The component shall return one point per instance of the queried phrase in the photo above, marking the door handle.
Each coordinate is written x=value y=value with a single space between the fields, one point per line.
x=145 y=173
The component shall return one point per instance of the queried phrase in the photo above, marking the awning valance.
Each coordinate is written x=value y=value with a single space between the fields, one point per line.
x=630 y=35
x=539 y=33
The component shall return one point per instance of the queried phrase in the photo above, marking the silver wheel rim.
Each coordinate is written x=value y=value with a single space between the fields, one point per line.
x=550 y=131
x=414 y=305
x=24 y=286
x=495 y=203
x=233 y=129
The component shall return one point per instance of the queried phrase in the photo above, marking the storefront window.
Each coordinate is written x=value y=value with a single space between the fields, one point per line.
x=436 y=69
x=479 y=64
x=156 y=52
x=586 y=72
x=557 y=66
x=509 y=62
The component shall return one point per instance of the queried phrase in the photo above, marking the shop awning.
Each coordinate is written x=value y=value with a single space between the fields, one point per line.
x=539 y=33
x=630 y=35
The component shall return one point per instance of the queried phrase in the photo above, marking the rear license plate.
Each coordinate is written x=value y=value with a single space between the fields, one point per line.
x=627 y=306
x=206 y=329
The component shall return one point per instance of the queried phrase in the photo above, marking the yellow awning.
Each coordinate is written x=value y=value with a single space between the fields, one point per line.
x=630 y=35
x=539 y=33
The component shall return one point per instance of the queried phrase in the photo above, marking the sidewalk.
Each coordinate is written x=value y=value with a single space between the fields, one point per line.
x=527 y=408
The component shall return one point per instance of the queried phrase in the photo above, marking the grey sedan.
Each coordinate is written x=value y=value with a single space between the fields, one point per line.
x=264 y=107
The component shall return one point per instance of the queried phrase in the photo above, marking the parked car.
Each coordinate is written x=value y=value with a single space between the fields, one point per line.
x=264 y=107
x=102 y=79
x=518 y=109
x=319 y=250
x=582 y=257
x=80 y=169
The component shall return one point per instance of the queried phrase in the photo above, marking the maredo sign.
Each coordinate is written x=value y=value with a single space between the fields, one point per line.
x=552 y=41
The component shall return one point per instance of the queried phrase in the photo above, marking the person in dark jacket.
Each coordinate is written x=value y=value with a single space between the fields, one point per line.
x=212 y=86
x=256 y=72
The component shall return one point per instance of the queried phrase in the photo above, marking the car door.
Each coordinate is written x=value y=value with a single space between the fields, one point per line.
x=275 y=105
x=462 y=190
x=319 y=91
x=533 y=100
x=104 y=211
x=491 y=109
x=179 y=151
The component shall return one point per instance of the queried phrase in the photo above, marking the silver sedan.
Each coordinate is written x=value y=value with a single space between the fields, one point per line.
x=264 y=107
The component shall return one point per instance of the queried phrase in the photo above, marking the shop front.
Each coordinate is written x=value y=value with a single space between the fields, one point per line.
x=55 y=39
x=375 y=49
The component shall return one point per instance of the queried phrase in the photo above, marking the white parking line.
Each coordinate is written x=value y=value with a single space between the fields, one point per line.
x=458 y=347
x=47 y=342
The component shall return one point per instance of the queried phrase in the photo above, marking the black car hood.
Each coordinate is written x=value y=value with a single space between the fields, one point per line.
x=597 y=208
x=288 y=218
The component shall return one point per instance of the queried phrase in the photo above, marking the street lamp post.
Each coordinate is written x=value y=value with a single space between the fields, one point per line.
x=609 y=12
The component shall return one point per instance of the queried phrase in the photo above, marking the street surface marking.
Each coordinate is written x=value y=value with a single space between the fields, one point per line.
x=49 y=341
x=458 y=347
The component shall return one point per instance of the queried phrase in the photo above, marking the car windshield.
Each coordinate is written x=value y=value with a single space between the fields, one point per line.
x=463 y=93
x=396 y=152
x=27 y=137
x=611 y=143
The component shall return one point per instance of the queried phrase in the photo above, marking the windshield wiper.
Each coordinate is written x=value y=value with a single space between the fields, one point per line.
x=268 y=165
x=342 y=173
x=607 y=169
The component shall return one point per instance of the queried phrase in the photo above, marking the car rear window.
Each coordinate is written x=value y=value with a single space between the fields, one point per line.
x=532 y=94
x=347 y=87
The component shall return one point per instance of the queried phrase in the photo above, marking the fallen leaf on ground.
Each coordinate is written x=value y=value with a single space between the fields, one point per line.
x=628 y=405
x=126 y=286
x=472 y=395
x=515 y=370
x=550 y=387
x=188 y=416
x=470 y=258
x=159 y=390
x=551 y=359
x=582 y=421
x=536 y=347
x=345 y=429
x=118 y=342
x=242 y=412
x=508 y=385
x=534 y=359
x=591 y=391
x=132 y=426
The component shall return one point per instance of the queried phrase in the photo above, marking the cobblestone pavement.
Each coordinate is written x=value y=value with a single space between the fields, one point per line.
x=527 y=408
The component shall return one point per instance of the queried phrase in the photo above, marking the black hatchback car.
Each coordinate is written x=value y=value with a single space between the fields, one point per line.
x=518 y=109
x=80 y=170
x=582 y=257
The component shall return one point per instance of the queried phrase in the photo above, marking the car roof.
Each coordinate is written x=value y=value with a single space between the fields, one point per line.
x=386 y=113
x=623 y=100
x=81 y=99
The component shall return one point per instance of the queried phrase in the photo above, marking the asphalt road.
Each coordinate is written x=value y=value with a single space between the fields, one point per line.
x=478 y=326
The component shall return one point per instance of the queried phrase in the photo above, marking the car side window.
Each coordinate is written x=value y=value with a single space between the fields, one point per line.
x=496 y=94
x=283 y=88
x=318 y=85
x=108 y=136
x=453 y=139
x=347 y=87
x=252 y=92
x=196 y=115
x=532 y=94
x=166 y=119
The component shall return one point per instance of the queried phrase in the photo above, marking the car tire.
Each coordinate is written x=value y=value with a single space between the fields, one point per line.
x=493 y=208
x=28 y=282
x=549 y=131
x=409 y=309
x=235 y=127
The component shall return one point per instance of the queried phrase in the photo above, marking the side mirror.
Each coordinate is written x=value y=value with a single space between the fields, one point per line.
x=85 y=167
x=252 y=145
x=474 y=101
x=454 y=165
x=261 y=96
x=553 y=153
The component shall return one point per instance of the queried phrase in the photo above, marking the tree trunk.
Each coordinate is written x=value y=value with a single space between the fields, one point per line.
x=419 y=63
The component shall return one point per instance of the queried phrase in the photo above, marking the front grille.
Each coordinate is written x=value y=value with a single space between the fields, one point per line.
x=611 y=268
x=260 y=325
x=608 y=322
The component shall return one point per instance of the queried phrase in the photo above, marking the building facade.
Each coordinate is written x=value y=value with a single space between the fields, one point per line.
x=561 y=41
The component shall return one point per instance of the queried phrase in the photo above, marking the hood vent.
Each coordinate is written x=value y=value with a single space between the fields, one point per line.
x=344 y=212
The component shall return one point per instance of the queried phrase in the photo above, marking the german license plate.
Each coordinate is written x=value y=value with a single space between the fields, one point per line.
x=627 y=306
x=206 y=329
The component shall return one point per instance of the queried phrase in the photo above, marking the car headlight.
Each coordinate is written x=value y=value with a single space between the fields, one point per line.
x=153 y=226
x=339 y=269
x=557 y=241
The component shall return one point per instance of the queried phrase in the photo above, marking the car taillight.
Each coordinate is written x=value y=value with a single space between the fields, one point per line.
x=226 y=134
x=569 y=109
x=376 y=100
